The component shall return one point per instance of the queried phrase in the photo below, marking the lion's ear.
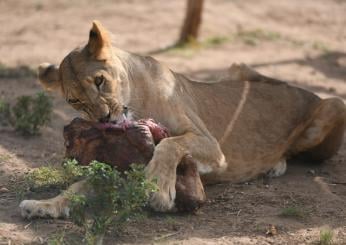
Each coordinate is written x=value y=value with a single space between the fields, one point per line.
x=99 y=45
x=48 y=75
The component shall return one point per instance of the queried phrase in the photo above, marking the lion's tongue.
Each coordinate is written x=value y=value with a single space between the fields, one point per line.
x=123 y=123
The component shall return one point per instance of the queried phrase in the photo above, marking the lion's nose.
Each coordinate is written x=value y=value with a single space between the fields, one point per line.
x=105 y=119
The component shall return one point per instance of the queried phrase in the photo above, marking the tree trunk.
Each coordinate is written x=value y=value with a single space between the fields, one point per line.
x=192 y=21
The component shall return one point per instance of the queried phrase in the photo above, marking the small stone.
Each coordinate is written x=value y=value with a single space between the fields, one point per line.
x=39 y=240
x=331 y=89
x=271 y=231
x=312 y=172
x=3 y=190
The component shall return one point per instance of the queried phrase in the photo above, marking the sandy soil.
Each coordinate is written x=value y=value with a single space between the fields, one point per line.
x=303 y=42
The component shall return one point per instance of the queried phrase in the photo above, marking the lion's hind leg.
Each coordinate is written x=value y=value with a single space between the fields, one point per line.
x=57 y=207
x=324 y=136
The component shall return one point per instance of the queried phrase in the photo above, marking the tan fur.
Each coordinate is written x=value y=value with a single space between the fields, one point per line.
x=236 y=129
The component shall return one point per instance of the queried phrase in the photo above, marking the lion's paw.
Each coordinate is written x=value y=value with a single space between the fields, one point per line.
x=44 y=209
x=163 y=200
x=278 y=170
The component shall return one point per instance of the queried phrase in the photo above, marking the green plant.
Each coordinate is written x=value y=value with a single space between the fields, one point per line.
x=318 y=45
x=4 y=157
x=57 y=239
x=5 y=113
x=116 y=197
x=44 y=178
x=215 y=41
x=64 y=236
x=16 y=72
x=31 y=113
x=187 y=49
x=193 y=46
x=170 y=220
x=326 y=237
x=252 y=37
x=48 y=179
x=292 y=211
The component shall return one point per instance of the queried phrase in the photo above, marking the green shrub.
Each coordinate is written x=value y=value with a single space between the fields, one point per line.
x=326 y=237
x=292 y=211
x=44 y=178
x=16 y=72
x=47 y=177
x=5 y=113
x=253 y=37
x=116 y=197
x=29 y=113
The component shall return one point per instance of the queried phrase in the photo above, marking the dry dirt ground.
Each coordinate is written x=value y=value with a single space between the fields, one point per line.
x=302 y=42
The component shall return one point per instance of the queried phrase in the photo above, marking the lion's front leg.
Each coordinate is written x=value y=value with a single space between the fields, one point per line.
x=57 y=207
x=167 y=156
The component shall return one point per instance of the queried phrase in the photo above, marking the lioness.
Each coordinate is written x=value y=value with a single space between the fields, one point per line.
x=235 y=128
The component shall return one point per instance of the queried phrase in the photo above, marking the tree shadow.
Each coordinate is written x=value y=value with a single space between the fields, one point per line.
x=332 y=65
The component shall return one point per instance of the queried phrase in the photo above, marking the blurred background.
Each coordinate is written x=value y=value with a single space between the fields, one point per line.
x=266 y=32
x=302 y=42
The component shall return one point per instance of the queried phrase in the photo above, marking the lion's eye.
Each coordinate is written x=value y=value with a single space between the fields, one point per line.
x=99 y=81
x=73 y=101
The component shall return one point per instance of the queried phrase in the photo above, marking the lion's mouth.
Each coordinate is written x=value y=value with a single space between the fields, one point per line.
x=106 y=118
x=121 y=118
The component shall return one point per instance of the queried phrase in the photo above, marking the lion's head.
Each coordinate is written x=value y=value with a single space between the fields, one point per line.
x=90 y=78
